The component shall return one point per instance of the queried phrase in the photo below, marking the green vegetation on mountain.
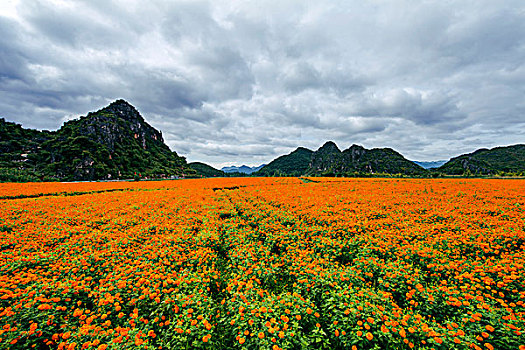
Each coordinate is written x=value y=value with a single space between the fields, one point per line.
x=117 y=143
x=386 y=160
x=114 y=142
x=293 y=164
x=508 y=160
x=357 y=160
x=206 y=170
x=329 y=160
x=19 y=149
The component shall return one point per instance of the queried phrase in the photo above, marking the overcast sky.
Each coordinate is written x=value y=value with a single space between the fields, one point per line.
x=241 y=82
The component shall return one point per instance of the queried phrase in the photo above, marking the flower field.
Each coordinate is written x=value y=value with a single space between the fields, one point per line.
x=263 y=263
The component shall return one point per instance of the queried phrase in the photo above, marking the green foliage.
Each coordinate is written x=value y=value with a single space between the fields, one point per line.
x=205 y=170
x=18 y=149
x=330 y=161
x=502 y=161
x=295 y=164
x=113 y=143
x=18 y=175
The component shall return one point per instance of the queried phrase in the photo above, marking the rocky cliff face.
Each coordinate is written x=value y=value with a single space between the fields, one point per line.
x=327 y=158
x=117 y=121
x=114 y=142
x=354 y=153
x=356 y=159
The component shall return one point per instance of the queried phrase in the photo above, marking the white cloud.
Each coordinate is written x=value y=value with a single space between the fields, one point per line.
x=8 y=8
x=244 y=82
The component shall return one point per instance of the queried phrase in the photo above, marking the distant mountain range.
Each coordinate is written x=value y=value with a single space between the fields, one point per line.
x=243 y=169
x=430 y=165
x=117 y=143
x=329 y=160
x=358 y=161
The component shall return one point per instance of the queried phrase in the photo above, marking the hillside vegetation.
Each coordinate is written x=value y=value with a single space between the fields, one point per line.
x=293 y=164
x=117 y=143
x=114 y=142
x=508 y=160
x=205 y=170
x=329 y=160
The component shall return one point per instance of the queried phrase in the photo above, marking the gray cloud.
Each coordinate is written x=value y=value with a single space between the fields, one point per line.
x=243 y=82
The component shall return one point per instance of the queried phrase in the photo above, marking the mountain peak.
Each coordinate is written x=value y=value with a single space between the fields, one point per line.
x=114 y=142
x=121 y=104
x=302 y=150
x=354 y=146
x=121 y=108
x=329 y=146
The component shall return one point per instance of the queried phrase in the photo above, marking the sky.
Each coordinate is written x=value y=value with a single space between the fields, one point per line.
x=242 y=82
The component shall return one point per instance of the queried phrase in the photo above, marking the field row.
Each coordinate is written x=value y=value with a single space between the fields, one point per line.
x=254 y=263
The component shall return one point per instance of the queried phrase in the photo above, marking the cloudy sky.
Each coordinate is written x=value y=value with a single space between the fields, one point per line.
x=241 y=82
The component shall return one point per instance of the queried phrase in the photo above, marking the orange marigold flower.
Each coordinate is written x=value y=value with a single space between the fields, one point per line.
x=369 y=336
